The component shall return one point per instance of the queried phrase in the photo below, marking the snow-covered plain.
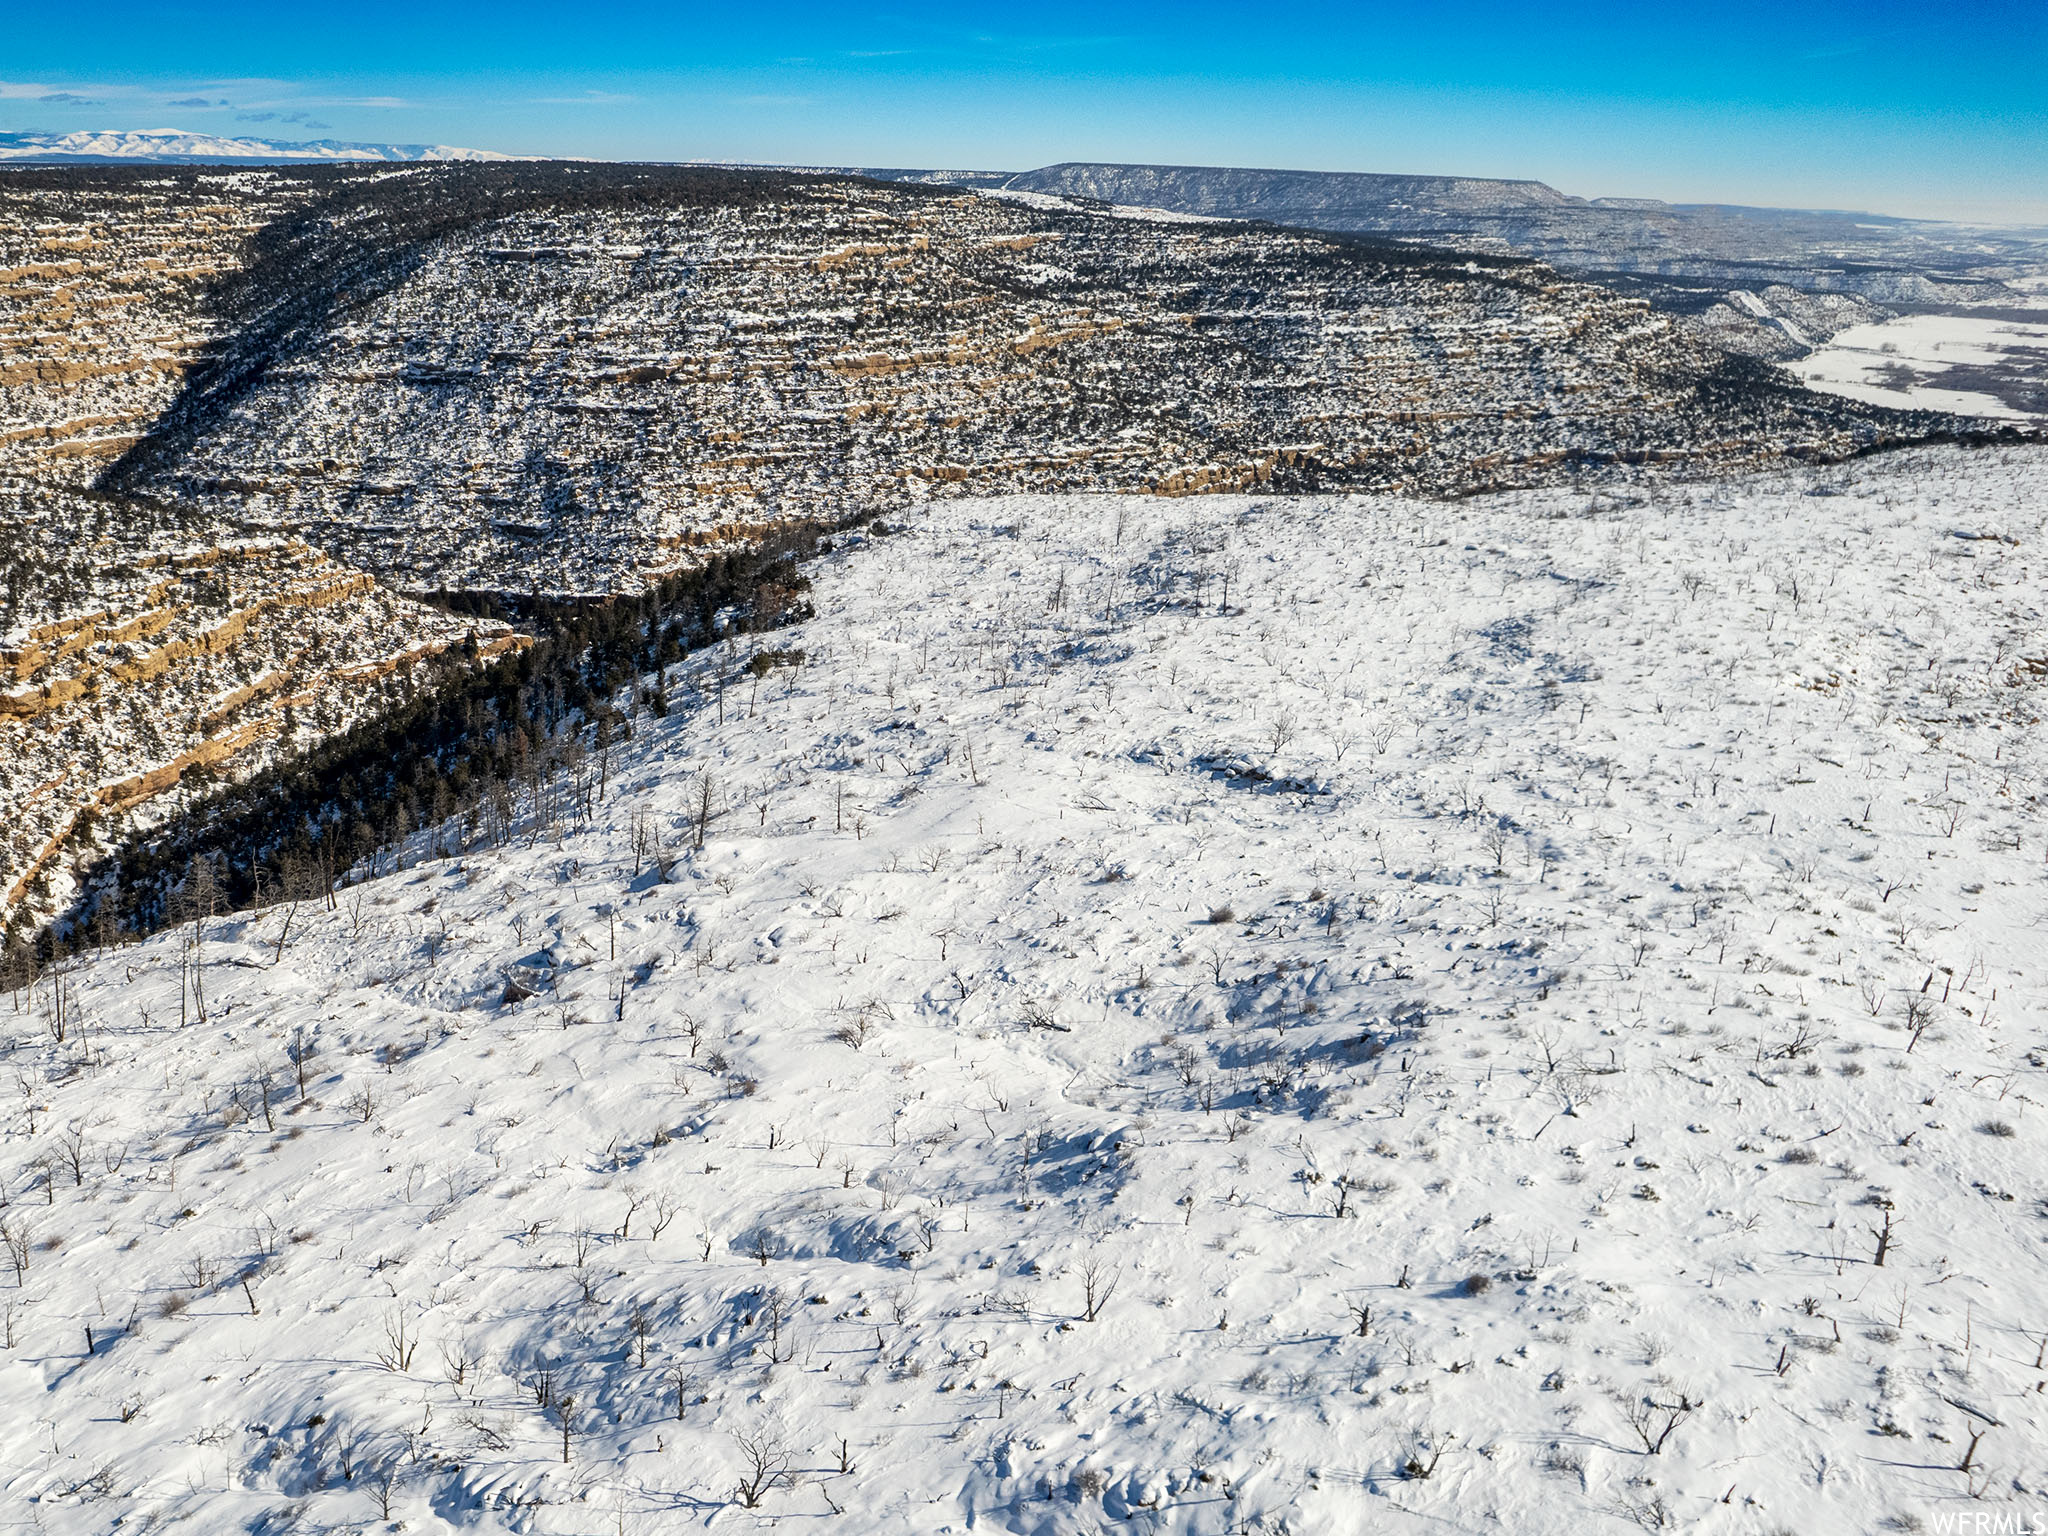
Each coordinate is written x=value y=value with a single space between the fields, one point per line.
x=1904 y=361
x=1438 y=984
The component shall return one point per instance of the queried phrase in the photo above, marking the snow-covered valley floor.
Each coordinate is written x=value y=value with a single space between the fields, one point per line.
x=1976 y=365
x=1231 y=1014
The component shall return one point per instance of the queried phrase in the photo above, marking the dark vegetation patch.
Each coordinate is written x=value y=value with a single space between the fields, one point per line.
x=512 y=743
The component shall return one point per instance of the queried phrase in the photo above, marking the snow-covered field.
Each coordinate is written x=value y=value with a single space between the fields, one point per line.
x=1228 y=1014
x=1905 y=362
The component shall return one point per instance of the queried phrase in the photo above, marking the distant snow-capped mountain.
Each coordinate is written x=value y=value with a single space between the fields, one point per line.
x=175 y=146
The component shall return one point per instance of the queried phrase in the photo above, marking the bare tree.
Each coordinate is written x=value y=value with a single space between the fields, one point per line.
x=664 y=1212
x=1653 y=1420
x=1496 y=841
x=71 y=1148
x=1919 y=1018
x=459 y=1360
x=767 y=1461
x=401 y=1339
x=291 y=910
x=18 y=1240
x=384 y=1483
x=635 y=1198
x=706 y=803
x=565 y=1415
x=1969 y=1461
x=1099 y=1280
x=681 y=1384
x=301 y=1050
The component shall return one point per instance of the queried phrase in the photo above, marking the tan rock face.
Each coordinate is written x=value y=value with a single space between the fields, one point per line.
x=136 y=647
x=179 y=653
x=93 y=345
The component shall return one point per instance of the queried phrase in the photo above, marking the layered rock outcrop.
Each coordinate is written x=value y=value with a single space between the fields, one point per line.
x=241 y=410
x=138 y=663
x=525 y=385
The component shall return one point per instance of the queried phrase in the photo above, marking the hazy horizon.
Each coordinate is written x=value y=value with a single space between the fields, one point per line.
x=822 y=165
x=1880 y=107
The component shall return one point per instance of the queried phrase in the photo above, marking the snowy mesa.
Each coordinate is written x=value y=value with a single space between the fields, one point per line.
x=1239 y=1014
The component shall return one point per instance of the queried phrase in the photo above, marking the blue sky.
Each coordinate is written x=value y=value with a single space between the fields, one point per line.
x=1899 y=108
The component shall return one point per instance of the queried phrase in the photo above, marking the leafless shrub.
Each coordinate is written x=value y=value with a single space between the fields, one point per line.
x=854 y=1031
x=766 y=1461
x=1421 y=1462
x=384 y=1484
x=664 y=1212
x=635 y=1199
x=1919 y=1018
x=1039 y=1015
x=1803 y=1040
x=401 y=1340
x=1647 y=1510
x=18 y=1239
x=1099 y=1280
x=1655 y=1419
x=460 y=1360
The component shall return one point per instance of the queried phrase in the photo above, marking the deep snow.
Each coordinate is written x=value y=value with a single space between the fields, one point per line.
x=1441 y=974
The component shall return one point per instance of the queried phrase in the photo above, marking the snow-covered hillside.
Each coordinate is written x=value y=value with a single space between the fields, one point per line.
x=176 y=146
x=1181 y=1016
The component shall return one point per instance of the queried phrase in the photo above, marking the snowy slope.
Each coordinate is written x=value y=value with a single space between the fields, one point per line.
x=1442 y=980
x=176 y=145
